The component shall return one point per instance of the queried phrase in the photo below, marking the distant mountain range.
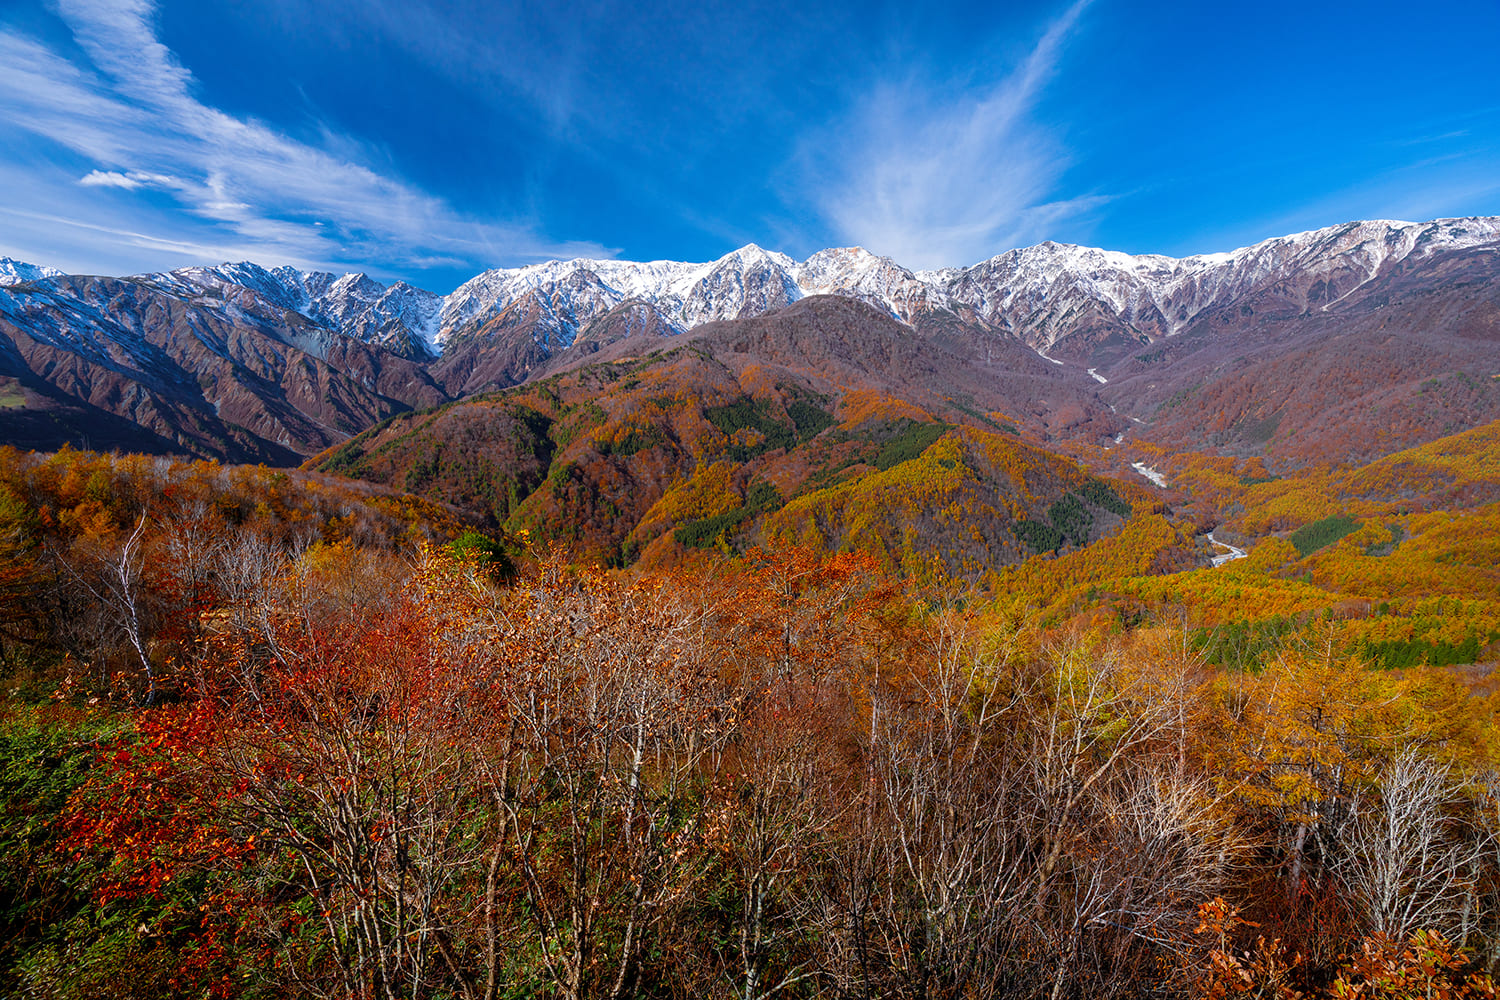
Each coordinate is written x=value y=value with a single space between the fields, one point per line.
x=247 y=363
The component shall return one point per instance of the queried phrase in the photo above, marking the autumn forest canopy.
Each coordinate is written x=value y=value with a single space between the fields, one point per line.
x=781 y=725
x=811 y=654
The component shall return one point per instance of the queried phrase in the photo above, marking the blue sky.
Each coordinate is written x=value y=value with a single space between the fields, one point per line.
x=429 y=141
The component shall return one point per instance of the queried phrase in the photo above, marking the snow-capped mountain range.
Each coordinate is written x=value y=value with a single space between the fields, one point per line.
x=1040 y=294
x=246 y=363
x=354 y=304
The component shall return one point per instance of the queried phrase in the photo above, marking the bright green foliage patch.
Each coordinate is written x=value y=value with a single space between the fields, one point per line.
x=44 y=757
x=909 y=444
x=1098 y=493
x=1400 y=654
x=1311 y=537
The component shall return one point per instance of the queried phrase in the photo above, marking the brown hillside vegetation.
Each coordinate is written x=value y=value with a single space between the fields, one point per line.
x=119 y=362
x=710 y=445
x=1405 y=359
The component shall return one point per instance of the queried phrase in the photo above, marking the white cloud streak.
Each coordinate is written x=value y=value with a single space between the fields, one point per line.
x=109 y=178
x=934 y=182
x=234 y=183
x=128 y=182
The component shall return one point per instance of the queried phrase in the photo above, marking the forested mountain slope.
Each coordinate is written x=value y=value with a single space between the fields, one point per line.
x=826 y=417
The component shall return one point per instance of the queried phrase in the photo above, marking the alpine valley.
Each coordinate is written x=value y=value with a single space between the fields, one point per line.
x=1070 y=626
x=620 y=405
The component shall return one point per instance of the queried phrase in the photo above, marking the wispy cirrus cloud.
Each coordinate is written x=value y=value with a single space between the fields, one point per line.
x=205 y=179
x=933 y=179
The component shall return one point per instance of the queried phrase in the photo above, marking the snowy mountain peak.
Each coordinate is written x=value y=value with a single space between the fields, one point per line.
x=571 y=294
x=358 y=286
x=751 y=255
x=838 y=262
x=879 y=281
x=14 y=272
x=1035 y=292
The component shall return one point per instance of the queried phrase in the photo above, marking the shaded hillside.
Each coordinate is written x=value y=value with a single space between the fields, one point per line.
x=826 y=423
x=941 y=363
x=1406 y=358
x=126 y=363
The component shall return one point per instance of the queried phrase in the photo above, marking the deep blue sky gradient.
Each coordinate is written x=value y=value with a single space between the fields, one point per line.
x=431 y=140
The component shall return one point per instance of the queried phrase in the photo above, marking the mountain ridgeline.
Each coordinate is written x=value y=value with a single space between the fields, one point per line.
x=1281 y=349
